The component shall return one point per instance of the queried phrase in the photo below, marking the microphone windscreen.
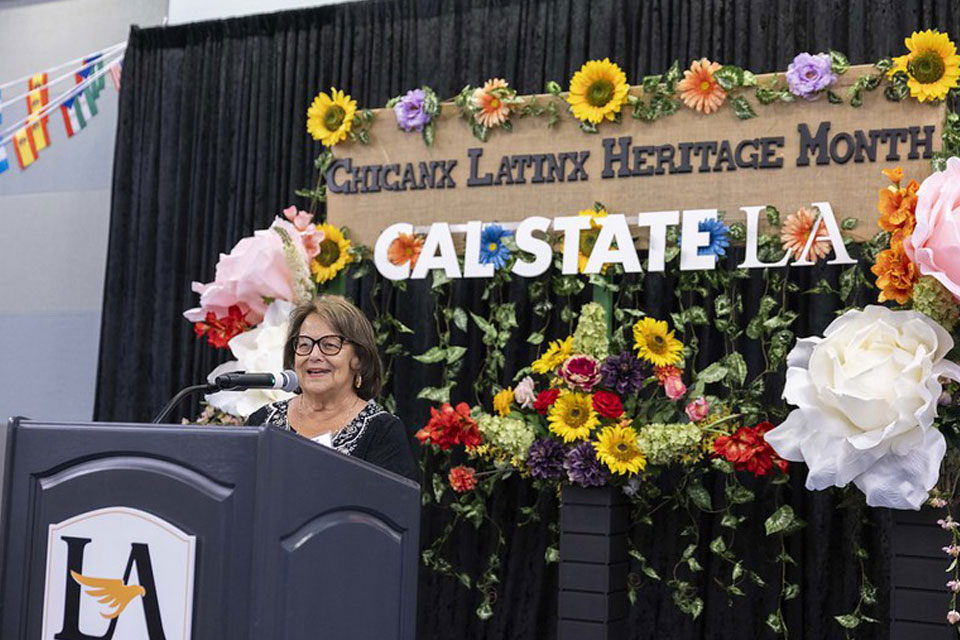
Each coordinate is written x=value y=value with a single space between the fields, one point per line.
x=290 y=381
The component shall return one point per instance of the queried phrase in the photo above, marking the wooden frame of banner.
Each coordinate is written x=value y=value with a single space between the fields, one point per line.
x=851 y=187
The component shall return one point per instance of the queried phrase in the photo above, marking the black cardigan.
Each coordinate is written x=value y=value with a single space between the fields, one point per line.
x=375 y=435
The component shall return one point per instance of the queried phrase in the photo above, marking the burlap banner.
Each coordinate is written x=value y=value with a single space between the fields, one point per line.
x=790 y=155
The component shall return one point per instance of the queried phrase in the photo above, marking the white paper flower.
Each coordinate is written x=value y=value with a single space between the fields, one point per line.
x=867 y=395
x=257 y=350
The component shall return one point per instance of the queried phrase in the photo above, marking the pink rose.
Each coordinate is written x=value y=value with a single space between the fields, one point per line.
x=934 y=244
x=300 y=219
x=580 y=371
x=698 y=409
x=255 y=271
x=953 y=617
x=674 y=388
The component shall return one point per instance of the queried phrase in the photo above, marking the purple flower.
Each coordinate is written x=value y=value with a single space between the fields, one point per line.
x=808 y=75
x=583 y=468
x=545 y=459
x=411 y=116
x=623 y=373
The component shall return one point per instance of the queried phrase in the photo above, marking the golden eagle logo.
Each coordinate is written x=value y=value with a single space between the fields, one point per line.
x=110 y=592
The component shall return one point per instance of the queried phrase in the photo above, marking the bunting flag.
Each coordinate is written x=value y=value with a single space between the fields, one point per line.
x=23 y=146
x=39 y=94
x=37 y=130
x=90 y=66
x=72 y=121
x=4 y=163
x=115 y=70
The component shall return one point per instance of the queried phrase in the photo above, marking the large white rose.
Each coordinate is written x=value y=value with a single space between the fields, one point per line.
x=257 y=350
x=867 y=395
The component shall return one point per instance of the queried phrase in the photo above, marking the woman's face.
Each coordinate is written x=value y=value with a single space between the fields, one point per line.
x=321 y=374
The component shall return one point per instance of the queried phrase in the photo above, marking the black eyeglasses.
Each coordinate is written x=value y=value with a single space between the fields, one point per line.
x=329 y=345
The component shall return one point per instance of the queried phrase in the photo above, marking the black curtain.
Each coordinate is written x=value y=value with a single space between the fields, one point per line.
x=212 y=144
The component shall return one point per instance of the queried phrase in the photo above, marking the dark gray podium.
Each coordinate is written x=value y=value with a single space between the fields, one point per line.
x=123 y=532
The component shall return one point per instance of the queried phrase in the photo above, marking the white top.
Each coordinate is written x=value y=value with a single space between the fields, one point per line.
x=324 y=438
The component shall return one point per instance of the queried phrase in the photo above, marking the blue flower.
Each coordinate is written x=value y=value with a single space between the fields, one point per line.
x=719 y=238
x=492 y=249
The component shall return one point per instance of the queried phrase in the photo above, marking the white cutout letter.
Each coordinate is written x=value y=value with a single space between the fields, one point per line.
x=658 y=221
x=613 y=227
x=750 y=259
x=540 y=248
x=437 y=238
x=691 y=239
x=571 y=227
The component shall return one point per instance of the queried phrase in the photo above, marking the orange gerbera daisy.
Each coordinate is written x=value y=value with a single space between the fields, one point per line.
x=699 y=89
x=493 y=111
x=897 y=206
x=796 y=231
x=896 y=274
x=405 y=248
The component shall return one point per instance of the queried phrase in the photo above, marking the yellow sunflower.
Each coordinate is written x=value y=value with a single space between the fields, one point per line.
x=334 y=254
x=933 y=66
x=502 y=401
x=588 y=238
x=617 y=448
x=655 y=344
x=598 y=91
x=554 y=356
x=329 y=118
x=572 y=416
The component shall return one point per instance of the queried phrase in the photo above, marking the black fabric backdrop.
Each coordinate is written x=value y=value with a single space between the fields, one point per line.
x=212 y=143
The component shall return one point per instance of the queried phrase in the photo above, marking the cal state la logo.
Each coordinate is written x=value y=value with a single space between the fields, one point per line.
x=118 y=574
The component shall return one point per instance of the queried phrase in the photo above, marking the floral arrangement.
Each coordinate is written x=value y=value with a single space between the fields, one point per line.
x=417 y=110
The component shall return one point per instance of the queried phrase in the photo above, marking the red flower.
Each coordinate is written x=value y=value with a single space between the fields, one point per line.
x=545 y=400
x=608 y=404
x=462 y=479
x=450 y=426
x=748 y=451
x=219 y=331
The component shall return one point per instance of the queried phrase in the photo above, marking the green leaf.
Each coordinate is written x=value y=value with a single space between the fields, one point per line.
x=432 y=355
x=553 y=88
x=439 y=486
x=429 y=132
x=699 y=495
x=838 y=62
x=535 y=338
x=848 y=621
x=454 y=353
x=738 y=494
x=736 y=368
x=730 y=521
x=781 y=520
x=848 y=224
x=460 y=319
x=833 y=98
x=464 y=579
x=439 y=278
x=436 y=394
x=791 y=591
x=551 y=555
x=489 y=331
x=742 y=108
x=729 y=76
x=718 y=546
x=773 y=216
x=715 y=372
x=775 y=623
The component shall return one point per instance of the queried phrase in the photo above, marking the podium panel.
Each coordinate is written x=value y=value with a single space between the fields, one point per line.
x=152 y=531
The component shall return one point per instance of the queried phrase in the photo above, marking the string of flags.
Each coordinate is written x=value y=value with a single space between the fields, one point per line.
x=77 y=104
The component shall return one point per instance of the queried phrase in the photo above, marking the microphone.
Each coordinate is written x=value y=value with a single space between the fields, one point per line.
x=241 y=381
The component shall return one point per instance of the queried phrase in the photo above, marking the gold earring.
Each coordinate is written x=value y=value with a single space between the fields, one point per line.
x=358 y=381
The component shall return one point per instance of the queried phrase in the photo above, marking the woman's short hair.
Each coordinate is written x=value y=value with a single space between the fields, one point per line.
x=348 y=321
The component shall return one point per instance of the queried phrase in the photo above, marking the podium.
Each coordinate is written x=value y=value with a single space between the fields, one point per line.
x=132 y=531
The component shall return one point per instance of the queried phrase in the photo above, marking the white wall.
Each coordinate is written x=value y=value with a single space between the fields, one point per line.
x=195 y=10
x=54 y=215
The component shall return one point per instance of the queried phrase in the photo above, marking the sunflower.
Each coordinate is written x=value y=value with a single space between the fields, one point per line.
x=796 y=231
x=502 y=401
x=588 y=238
x=405 y=248
x=598 y=91
x=554 y=356
x=333 y=256
x=617 y=448
x=932 y=66
x=655 y=344
x=329 y=118
x=572 y=416
x=699 y=89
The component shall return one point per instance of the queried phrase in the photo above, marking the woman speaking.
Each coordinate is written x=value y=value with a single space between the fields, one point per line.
x=331 y=347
